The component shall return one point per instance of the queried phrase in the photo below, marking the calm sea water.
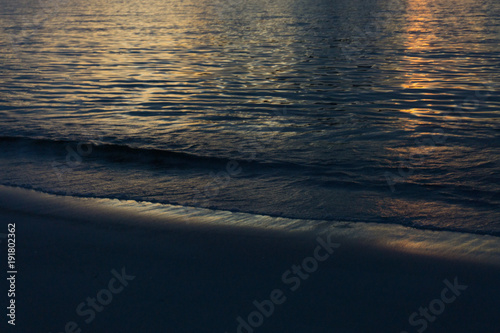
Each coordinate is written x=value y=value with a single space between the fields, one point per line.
x=368 y=110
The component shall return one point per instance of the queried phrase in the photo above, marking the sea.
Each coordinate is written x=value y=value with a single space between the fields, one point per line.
x=378 y=111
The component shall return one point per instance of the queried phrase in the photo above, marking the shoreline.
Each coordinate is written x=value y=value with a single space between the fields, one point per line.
x=192 y=276
x=114 y=212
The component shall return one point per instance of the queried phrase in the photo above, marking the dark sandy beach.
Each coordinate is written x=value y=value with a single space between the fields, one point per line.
x=146 y=274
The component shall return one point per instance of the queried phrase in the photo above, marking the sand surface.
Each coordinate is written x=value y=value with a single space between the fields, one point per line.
x=85 y=267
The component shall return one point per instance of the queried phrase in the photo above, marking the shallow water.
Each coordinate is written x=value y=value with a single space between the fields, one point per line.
x=383 y=111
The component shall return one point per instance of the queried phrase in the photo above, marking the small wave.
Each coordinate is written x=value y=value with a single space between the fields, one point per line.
x=121 y=171
x=124 y=153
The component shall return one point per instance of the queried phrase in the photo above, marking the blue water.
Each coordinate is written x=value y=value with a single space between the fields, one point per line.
x=381 y=111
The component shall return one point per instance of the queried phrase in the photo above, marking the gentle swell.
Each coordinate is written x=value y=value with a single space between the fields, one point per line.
x=128 y=154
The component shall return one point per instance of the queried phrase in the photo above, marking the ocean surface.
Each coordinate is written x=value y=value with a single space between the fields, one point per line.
x=382 y=111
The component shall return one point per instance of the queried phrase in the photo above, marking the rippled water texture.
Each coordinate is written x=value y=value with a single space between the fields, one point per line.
x=380 y=111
